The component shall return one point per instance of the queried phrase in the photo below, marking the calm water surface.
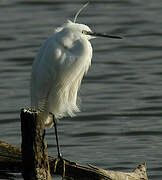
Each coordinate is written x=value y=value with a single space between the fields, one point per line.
x=120 y=124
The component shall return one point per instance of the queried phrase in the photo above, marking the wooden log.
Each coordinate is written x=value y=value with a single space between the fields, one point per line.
x=34 y=147
x=10 y=160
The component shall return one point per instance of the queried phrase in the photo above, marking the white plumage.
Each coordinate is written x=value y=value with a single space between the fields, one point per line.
x=58 y=70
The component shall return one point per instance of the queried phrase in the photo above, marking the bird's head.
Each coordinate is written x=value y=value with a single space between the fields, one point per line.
x=83 y=31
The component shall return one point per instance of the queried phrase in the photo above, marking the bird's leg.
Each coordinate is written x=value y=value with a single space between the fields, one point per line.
x=58 y=149
x=57 y=141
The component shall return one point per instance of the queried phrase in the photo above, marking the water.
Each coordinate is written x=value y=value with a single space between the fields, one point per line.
x=120 y=123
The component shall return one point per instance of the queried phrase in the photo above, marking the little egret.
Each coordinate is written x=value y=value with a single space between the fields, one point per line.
x=58 y=69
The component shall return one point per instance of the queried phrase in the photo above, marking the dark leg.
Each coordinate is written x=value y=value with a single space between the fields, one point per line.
x=57 y=142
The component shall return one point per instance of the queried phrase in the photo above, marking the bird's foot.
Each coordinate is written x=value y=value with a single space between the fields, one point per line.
x=62 y=162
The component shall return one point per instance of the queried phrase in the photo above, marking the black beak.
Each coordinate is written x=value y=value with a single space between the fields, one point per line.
x=103 y=35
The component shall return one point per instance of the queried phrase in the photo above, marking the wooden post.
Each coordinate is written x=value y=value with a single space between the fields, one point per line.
x=34 y=147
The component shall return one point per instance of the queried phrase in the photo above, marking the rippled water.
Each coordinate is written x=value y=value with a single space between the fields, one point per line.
x=120 y=124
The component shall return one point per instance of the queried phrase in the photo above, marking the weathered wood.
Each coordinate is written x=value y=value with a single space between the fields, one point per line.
x=138 y=174
x=10 y=160
x=34 y=147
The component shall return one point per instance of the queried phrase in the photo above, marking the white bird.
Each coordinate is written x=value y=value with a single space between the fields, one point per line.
x=58 y=70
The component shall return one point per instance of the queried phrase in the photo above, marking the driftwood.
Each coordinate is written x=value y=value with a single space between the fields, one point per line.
x=11 y=161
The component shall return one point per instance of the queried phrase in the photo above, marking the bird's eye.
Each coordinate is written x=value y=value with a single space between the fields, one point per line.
x=85 y=32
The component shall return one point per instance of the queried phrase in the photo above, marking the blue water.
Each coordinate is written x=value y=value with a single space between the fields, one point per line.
x=120 y=125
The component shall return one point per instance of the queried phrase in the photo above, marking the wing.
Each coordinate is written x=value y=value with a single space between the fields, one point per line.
x=43 y=74
x=49 y=70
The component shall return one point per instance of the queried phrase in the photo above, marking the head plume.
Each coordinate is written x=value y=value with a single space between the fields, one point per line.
x=77 y=14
